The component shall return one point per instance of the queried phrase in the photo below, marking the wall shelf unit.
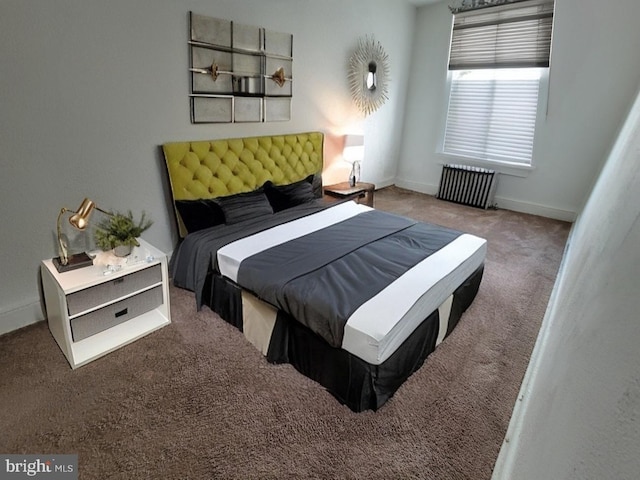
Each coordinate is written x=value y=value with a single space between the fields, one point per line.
x=239 y=73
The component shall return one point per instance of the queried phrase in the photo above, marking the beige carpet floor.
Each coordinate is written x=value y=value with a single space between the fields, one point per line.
x=196 y=401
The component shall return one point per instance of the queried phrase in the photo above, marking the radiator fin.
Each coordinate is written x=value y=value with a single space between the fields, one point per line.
x=467 y=185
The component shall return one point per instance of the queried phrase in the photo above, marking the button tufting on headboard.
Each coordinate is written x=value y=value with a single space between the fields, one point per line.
x=217 y=168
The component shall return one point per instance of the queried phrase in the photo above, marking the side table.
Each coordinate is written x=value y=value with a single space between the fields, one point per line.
x=362 y=192
x=92 y=310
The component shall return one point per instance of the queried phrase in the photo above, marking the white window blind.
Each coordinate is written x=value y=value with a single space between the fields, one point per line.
x=495 y=74
x=492 y=114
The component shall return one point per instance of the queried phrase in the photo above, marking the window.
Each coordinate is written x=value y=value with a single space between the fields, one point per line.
x=499 y=57
x=492 y=114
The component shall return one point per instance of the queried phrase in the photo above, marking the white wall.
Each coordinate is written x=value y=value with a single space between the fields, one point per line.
x=92 y=88
x=595 y=70
x=579 y=409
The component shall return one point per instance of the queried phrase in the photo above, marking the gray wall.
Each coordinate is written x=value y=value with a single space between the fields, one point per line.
x=91 y=88
x=578 y=409
x=595 y=70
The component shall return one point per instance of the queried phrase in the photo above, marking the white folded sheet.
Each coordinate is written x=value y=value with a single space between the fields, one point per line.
x=230 y=256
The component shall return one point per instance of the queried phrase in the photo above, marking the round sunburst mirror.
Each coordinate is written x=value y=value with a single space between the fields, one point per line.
x=369 y=75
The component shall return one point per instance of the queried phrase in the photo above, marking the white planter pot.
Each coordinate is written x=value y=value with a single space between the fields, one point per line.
x=122 y=250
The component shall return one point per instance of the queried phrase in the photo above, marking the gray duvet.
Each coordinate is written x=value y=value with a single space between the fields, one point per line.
x=319 y=279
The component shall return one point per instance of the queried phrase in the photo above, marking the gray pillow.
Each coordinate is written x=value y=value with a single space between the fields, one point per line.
x=282 y=197
x=244 y=206
x=199 y=214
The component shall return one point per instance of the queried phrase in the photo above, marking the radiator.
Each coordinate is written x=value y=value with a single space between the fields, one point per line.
x=473 y=186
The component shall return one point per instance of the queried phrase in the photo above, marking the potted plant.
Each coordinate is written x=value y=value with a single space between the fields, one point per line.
x=120 y=232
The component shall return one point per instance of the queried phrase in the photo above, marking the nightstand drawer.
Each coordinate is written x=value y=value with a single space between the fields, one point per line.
x=116 y=313
x=89 y=298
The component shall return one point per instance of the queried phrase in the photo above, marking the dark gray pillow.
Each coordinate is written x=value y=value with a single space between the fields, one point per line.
x=244 y=206
x=282 y=197
x=199 y=214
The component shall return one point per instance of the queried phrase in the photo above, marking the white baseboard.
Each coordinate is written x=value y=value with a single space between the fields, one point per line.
x=535 y=209
x=502 y=202
x=384 y=183
x=21 y=317
x=417 y=187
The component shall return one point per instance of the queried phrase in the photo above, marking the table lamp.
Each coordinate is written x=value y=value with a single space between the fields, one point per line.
x=353 y=153
x=80 y=221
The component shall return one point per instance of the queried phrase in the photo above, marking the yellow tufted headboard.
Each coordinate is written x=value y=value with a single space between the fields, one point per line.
x=217 y=168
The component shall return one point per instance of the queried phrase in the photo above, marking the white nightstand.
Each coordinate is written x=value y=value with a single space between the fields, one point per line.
x=91 y=312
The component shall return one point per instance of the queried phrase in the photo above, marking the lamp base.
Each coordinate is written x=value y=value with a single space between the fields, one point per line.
x=354 y=175
x=78 y=260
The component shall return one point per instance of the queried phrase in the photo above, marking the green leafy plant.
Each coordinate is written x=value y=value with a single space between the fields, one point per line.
x=120 y=229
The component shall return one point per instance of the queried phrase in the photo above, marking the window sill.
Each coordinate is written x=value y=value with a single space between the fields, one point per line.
x=514 y=170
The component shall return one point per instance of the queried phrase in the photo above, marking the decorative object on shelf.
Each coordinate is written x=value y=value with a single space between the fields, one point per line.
x=79 y=220
x=464 y=5
x=110 y=260
x=231 y=69
x=212 y=70
x=353 y=153
x=120 y=232
x=369 y=75
x=279 y=77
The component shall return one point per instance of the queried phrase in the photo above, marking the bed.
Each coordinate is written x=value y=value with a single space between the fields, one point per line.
x=352 y=297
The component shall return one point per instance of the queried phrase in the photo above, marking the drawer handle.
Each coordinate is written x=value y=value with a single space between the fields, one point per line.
x=118 y=280
x=121 y=312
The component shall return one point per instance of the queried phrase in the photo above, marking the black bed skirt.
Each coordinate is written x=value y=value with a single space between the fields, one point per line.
x=354 y=382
